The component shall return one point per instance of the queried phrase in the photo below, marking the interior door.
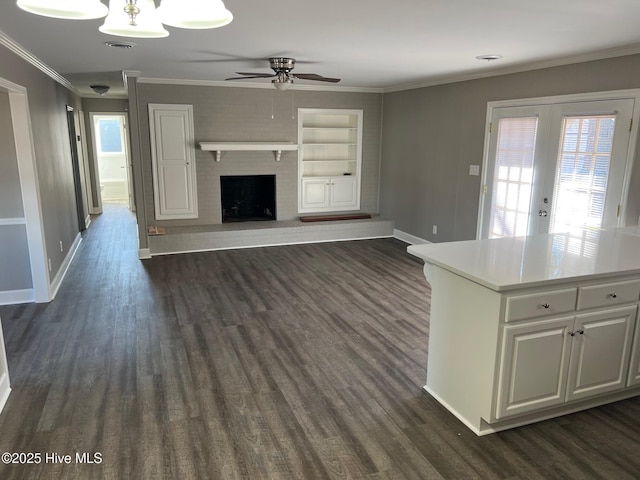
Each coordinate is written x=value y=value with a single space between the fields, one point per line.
x=555 y=168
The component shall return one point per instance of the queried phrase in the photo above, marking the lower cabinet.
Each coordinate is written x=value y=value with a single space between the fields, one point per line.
x=549 y=362
x=329 y=193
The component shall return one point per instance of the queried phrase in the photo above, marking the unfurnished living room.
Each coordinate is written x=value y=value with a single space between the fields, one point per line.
x=319 y=240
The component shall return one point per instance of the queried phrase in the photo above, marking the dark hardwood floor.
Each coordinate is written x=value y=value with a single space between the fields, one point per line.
x=296 y=362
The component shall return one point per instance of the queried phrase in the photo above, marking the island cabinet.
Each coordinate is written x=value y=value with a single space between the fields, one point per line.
x=515 y=344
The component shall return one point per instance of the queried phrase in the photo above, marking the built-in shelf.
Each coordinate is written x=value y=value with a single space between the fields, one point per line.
x=276 y=147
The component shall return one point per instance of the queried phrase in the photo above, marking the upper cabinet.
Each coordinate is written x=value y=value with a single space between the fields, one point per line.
x=173 y=158
x=329 y=159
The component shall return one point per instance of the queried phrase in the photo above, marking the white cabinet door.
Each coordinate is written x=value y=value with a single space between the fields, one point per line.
x=173 y=157
x=600 y=352
x=344 y=192
x=533 y=373
x=315 y=192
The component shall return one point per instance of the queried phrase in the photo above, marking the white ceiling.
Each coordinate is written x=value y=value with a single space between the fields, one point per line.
x=382 y=45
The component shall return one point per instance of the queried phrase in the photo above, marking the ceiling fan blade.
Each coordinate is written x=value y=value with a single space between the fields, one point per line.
x=252 y=76
x=314 y=76
x=257 y=75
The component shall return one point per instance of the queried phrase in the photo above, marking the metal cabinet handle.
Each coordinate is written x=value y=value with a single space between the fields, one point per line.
x=545 y=305
x=573 y=334
x=581 y=332
x=613 y=295
x=542 y=213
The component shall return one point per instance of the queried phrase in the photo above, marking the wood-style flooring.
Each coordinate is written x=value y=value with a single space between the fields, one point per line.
x=295 y=362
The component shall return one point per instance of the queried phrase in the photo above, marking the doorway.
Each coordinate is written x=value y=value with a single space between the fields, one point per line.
x=110 y=148
x=556 y=167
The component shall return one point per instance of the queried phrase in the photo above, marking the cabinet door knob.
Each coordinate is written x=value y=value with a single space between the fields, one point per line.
x=581 y=332
x=613 y=295
x=573 y=334
x=545 y=305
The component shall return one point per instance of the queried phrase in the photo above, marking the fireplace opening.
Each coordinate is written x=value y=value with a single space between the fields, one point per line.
x=248 y=198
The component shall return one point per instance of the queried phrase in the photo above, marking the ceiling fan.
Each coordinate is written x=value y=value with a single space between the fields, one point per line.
x=283 y=77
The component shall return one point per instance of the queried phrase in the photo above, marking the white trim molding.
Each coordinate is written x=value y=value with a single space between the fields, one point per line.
x=12 y=221
x=35 y=61
x=408 y=238
x=62 y=272
x=14 y=297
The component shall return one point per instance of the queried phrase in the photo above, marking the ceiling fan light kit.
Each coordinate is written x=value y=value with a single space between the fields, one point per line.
x=136 y=18
x=194 y=14
x=65 y=9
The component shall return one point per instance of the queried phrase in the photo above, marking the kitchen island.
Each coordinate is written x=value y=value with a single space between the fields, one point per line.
x=529 y=328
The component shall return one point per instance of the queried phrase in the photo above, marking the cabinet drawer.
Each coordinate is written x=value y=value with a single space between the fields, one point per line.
x=604 y=295
x=540 y=304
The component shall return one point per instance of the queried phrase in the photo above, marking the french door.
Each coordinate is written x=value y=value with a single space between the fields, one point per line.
x=555 y=167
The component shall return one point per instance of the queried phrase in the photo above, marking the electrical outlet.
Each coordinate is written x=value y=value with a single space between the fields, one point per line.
x=61 y=249
x=435 y=229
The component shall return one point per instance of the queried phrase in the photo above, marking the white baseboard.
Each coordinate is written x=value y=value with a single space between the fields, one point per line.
x=12 y=297
x=57 y=280
x=408 y=238
x=144 y=253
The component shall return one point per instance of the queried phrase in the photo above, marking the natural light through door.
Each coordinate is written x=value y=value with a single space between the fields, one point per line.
x=556 y=167
x=582 y=172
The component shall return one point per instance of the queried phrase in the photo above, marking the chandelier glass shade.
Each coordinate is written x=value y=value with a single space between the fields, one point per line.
x=65 y=9
x=136 y=18
x=194 y=13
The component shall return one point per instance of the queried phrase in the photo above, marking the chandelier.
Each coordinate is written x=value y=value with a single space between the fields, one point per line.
x=136 y=18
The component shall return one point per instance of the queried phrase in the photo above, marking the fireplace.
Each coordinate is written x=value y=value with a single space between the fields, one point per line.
x=248 y=198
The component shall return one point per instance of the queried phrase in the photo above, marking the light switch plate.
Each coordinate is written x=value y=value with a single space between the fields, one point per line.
x=474 y=170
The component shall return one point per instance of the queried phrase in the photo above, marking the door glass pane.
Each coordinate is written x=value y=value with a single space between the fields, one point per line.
x=513 y=177
x=580 y=186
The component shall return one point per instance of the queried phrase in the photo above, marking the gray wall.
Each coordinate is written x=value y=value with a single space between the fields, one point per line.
x=431 y=135
x=47 y=108
x=15 y=273
x=244 y=114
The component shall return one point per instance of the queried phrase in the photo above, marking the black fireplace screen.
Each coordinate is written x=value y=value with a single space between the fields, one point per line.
x=248 y=198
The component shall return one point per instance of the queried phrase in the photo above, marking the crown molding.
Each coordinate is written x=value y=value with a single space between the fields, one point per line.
x=524 y=67
x=295 y=87
x=29 y=57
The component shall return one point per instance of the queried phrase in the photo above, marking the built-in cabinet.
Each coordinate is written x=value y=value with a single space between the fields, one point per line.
x=329 y=159
x=173 y=160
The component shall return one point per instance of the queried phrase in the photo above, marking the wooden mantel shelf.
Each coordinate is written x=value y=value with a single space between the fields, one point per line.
x=275 y=147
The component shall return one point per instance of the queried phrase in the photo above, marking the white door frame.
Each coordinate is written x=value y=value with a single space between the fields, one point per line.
x=30 y=187
x=125 y=146
x=580 y=97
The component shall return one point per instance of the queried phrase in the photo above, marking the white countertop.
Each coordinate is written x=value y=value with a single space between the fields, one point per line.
x=510 y=263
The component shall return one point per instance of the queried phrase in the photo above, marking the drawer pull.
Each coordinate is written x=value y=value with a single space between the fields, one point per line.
x=545 y=305
x=573 y=334
x=581 y=332
x=613 y=295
